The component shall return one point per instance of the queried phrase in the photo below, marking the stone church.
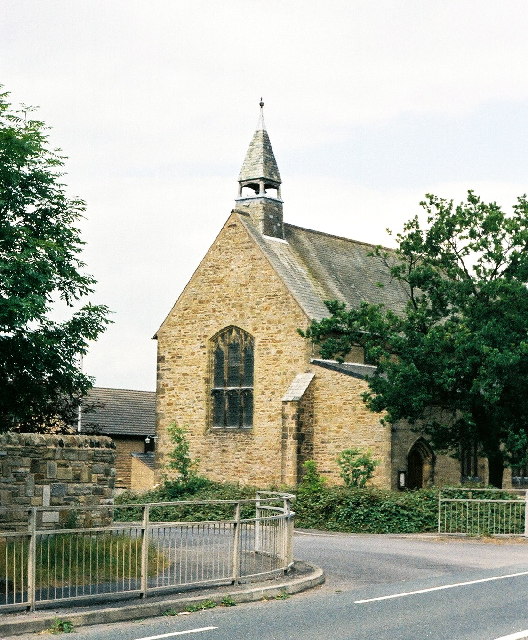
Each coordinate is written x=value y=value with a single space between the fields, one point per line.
x=254 y=396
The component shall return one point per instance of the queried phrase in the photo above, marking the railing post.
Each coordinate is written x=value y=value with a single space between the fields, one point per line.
x=439 y=510
x=526 y=513
x=288 y=531
x=258 y=529
x=32 y=557
x=236 y=546
x=145 y=531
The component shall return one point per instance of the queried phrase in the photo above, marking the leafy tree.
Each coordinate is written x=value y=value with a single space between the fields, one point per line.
x=40 y=379
x=454 y=361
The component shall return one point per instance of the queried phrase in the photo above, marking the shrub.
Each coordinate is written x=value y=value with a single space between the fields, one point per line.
x=368 y=510
x=197 y=489
x=179 y=458
x=357 y=467
x=311 y=480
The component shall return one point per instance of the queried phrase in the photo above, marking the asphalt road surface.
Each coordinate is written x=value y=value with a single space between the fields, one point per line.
x=378 y=588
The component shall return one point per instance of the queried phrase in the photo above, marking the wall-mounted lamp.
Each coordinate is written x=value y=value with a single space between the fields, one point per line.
x=149 y=438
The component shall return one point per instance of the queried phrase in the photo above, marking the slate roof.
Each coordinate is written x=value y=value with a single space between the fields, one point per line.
x=317 y=266
x=146 y=458
x=259 y=161
x=120 y=412
x=353 y=369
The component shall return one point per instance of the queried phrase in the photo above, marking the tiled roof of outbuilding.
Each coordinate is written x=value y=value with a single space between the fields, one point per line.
x=120 y=412
x=317 y=266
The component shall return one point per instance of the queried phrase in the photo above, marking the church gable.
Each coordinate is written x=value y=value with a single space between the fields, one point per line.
x=235 y=300
x=234 y=280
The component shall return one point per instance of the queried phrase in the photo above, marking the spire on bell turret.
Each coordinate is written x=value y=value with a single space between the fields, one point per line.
x=260 y=174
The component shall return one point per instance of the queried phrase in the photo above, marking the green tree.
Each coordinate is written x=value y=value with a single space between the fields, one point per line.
x=454 y=361
x=40 y=379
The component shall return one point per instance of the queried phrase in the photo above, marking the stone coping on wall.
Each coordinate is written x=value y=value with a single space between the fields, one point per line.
x=56 y=440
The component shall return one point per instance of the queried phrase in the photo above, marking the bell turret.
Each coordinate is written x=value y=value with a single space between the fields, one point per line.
x=259 y=184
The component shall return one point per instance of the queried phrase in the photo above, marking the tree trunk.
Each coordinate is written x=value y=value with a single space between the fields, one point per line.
x=495 y=468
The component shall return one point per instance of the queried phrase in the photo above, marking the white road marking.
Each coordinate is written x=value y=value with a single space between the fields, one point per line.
x=178 y=633
x=445 y=586
x=521 y=635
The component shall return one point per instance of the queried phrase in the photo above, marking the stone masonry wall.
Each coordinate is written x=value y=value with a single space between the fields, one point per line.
x=342 y=421
x=234 y=285
x=125 y=447
x=446 y=469
x=142 y=476
x=53 y=470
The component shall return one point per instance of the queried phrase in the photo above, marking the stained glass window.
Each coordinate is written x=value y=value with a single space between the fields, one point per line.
x=232 y=379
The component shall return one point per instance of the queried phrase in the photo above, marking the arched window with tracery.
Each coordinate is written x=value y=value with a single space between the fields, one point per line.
x=232 y=371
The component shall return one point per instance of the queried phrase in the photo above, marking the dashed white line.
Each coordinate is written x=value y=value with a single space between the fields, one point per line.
x=445 y=586
x=521 y=635
x=178 y=633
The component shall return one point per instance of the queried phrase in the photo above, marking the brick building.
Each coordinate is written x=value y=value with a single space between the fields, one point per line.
x=233 y=370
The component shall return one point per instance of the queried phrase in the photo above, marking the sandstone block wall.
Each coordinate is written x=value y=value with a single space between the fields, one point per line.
x=142 y=476
x=446 y=469
x=234 y=285
x=125 y=447
x=53 y=470
x=342 y=421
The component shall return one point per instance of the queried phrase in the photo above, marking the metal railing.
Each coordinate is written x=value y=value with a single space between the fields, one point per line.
x=144 y=549
x=483 y=511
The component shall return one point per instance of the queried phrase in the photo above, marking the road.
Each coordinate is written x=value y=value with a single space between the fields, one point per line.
x=378 y=588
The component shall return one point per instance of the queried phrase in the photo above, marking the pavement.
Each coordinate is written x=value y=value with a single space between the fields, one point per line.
x=301 y=577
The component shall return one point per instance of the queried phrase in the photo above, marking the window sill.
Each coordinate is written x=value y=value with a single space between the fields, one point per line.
x=245 y=429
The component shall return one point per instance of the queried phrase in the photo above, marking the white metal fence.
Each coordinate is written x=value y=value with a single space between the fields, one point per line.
x=483 y=511
x=144 y=548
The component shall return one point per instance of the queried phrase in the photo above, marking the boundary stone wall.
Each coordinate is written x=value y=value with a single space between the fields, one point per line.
x=40 y=470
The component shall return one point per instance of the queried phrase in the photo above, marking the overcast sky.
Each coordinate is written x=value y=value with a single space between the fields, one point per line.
x=369 y=105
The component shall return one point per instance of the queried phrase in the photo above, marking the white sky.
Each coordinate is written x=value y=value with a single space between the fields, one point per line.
x=369 y=105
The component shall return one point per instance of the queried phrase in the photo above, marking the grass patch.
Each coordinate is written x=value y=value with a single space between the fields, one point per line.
x=78 y=559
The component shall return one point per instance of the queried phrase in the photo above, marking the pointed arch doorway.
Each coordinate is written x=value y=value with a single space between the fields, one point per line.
x=420 y=465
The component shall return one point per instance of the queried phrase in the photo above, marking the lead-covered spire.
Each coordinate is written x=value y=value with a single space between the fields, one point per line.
x=260 y=174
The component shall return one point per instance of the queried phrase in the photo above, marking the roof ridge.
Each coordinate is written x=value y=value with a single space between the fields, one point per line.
x=333 y=235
